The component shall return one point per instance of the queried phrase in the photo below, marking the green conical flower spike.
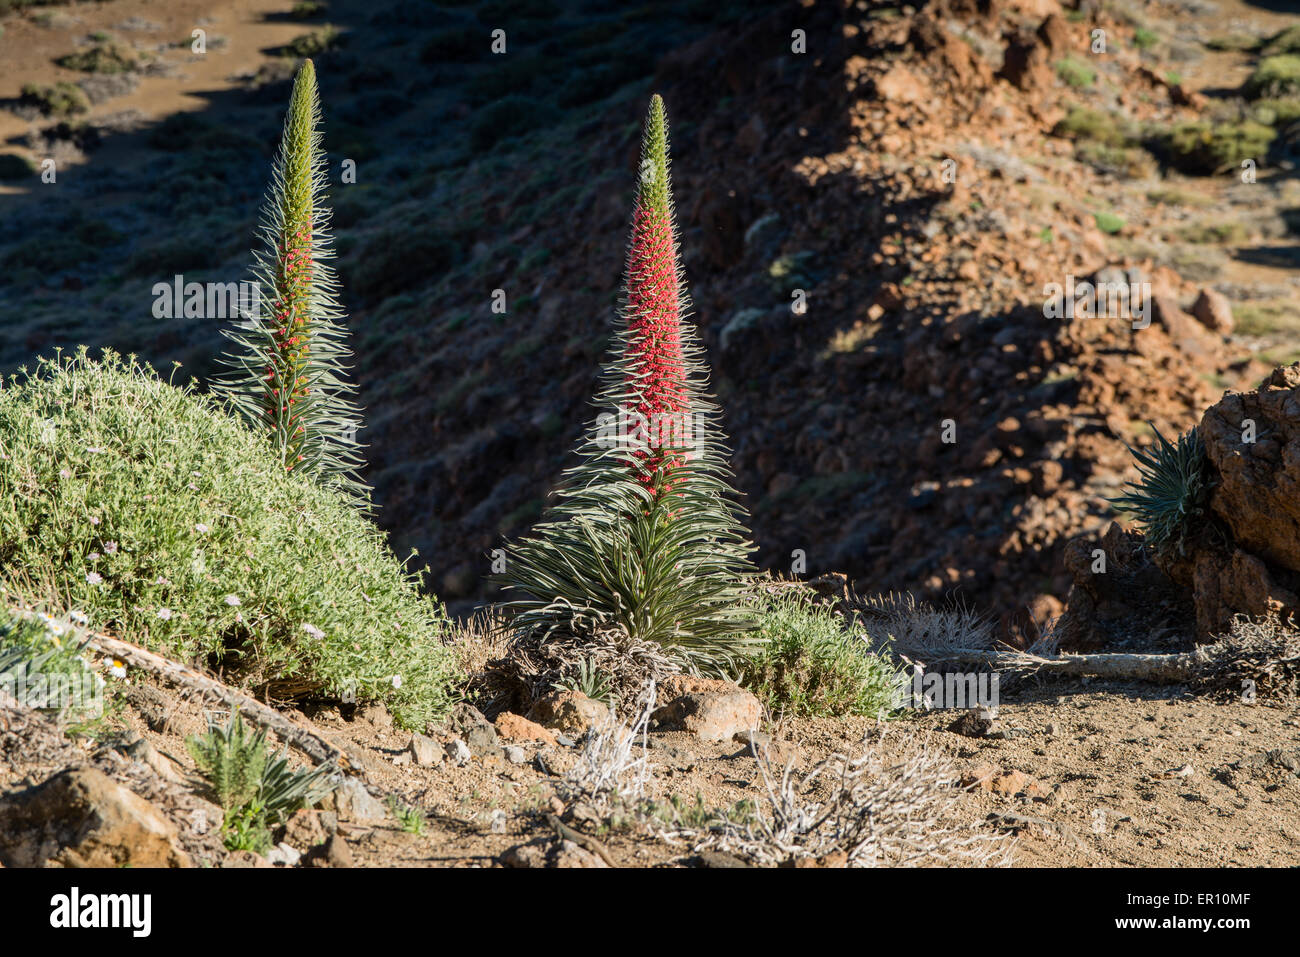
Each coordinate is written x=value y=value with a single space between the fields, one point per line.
x=647 y=537
x=288 y=365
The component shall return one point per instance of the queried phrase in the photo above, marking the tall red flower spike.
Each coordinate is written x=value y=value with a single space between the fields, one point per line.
x=646 y=538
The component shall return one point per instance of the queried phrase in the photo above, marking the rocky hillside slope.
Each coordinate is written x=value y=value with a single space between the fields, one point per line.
x=921 y=175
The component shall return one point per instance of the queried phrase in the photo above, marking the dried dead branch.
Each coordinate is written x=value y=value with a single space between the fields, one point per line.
x=612 y=768
x=1256 y=657
x=173 y=672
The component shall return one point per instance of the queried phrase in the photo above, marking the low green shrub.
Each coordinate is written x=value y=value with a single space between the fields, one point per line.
x=810 y=663
x=1108 y=223
x=1235 y=42
x=1076 y=73
x=166 y=519
x=1131 y=163
x=313 y=44
x=61 y=99
x=1274 y=76
x=1276 y=112
x=1288 y=41
x=1082 y=123
x=106 y=56
x=1202 y=148
x=306 y=9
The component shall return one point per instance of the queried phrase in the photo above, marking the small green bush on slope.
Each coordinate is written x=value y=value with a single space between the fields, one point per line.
x=168 y=521
x=1201 y=148
x=810 y=665
x=1274 y=76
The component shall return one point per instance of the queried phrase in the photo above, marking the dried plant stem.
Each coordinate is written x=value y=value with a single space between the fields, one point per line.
x=175 y=673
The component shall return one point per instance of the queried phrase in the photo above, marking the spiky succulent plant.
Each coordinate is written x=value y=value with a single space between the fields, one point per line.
x=287 y=369
x=1171 y=493
x=646 y=536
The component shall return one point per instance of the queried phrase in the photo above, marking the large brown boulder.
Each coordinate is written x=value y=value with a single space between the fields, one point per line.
x=709 y=708
x=1252 y=567
x=1227 y=584
x=1117 y=594
x=568 y=711
x=1258 y=482
x=1214 y=311
x=1025 y=64
x=1055 y=33
x=83 y=818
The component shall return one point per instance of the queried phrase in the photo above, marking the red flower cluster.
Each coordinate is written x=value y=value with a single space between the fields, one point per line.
x=288 y=355
x=655 y=321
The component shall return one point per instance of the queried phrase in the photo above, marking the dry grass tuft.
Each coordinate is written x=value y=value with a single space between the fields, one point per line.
x=529 y=666
x=853 y=812
x=914 y=629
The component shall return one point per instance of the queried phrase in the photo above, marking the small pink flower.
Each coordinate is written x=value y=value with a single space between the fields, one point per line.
x=94 y=578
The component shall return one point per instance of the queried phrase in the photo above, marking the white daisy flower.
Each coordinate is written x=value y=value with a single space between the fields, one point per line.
x=118 y=669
